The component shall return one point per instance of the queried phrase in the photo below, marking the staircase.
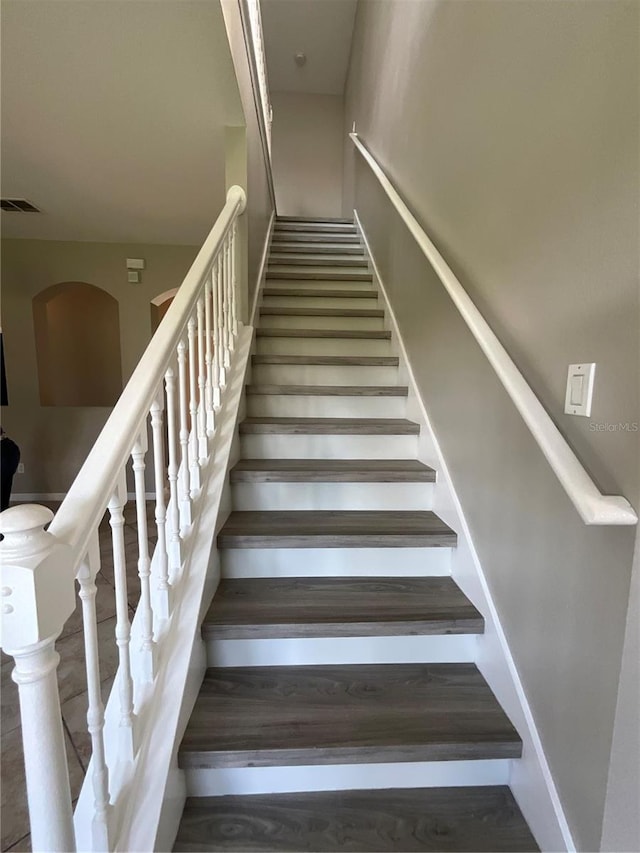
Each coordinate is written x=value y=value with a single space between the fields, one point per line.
x=342 y=709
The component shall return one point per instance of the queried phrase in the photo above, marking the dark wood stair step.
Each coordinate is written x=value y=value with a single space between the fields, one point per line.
x=316 y=260
x=351 y=238
x=335 y=529
x=315 y=227
x=339 y=607
x=336 y=360
x=323 y=219
x=277 y=311
x=303 y=274
x=319 y=293
x=318 y=248
x=285 y=715
x=329 y=426
x=331 y=471
x=381 y=335
x=414 y=820
x=329 y=390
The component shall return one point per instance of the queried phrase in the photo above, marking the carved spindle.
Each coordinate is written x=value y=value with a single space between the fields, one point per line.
x=202 y=379
x=226 y=337
x=183 y=473
x=38 y=596
x=123 y=624
x=194 y=467
x=222 y=374
x=101 y=832
x=234 y=283
x=173 y=538
x=148 y=647
x=208 y=355
x=163 y=608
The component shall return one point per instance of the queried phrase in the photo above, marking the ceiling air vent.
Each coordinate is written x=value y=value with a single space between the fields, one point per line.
x=18 y=205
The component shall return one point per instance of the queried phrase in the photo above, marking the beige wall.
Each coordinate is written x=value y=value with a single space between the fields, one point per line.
x=55 y=441
x=307 y=152
x=511 y=131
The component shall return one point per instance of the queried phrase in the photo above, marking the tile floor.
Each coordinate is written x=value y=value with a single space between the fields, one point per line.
x=72 y=685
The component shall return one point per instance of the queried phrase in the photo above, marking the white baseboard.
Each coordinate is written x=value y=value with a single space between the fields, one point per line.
x=530 y=778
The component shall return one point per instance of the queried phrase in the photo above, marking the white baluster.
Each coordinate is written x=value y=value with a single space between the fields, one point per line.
x=202 y=405
x=209 y=354
x=38 y=596
x=183 y=474
x=101 y=832
x=194 y=467
x=222 y=373
x=234 y=282
x=173 y=543
x=123 y=625
x=216 y=333
x=148 y=647
x=164 y=589
x=226 y=338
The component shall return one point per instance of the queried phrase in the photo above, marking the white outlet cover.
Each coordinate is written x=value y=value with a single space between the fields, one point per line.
x=579 y=394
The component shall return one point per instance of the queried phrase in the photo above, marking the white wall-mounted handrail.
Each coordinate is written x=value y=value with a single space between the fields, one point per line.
x=591 y=504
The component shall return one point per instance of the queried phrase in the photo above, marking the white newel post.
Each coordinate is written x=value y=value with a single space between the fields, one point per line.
x=38 y=596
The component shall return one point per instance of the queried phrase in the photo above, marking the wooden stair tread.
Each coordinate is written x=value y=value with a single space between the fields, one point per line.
x=336 y=360
x=315 y=227
x=316 y=293
x=277 y=311
x=306 y=274
x=283 y=715
x=339 y=607
x=331 y=471
x=350 y=238
x=318 y=248
x=335 y=529
x=324 y=219
x=329 y=390
x=329 y=426
x=382 y=334
x=317 y=260
x=485 y=819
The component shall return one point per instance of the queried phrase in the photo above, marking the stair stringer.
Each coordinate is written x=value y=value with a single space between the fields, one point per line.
x=530 y=776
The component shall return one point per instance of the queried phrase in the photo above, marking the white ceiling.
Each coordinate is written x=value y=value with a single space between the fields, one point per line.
x=321 y=29
x=113 y=116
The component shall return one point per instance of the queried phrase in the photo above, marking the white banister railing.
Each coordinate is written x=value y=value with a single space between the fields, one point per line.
x=192 y=348
x=591 y=504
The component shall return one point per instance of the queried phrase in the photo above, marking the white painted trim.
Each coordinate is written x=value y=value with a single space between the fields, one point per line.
x=531 y=780
x=344 y=777
x=262 y=269
x=591 y=504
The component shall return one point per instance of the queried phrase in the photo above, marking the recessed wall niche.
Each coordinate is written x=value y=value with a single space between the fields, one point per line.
x=77 y=333
x=159 y=307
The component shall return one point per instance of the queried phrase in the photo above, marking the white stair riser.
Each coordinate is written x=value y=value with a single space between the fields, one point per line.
x=303 y=321
x=323 y=374
x=342 y=496
x=343 y=777
x=334 y=562
x=326 y=651
x=322 y=302
x=279 y=446
x=320 y=284
x=293 y=406
x=323 y=346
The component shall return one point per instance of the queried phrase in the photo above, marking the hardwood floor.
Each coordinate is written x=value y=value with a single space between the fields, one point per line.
x=419 y=820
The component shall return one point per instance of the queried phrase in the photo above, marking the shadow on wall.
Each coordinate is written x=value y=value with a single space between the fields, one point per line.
x=77 y=334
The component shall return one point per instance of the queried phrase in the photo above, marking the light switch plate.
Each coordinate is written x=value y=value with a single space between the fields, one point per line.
x=579 y=389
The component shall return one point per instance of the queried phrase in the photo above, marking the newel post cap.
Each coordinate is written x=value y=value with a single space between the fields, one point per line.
x=236 y=192
x=37 y=586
